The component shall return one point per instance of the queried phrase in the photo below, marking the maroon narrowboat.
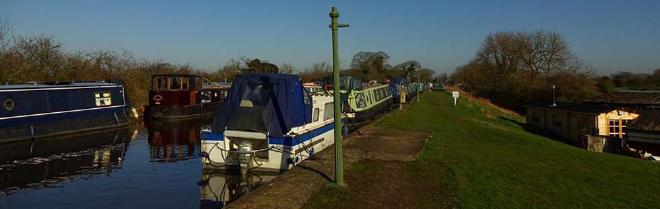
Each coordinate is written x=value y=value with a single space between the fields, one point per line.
x=179 y=96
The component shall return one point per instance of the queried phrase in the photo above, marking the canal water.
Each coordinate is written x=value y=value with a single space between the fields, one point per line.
x=151 y=165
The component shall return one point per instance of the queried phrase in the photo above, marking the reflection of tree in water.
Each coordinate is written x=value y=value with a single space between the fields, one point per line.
x=219 y=188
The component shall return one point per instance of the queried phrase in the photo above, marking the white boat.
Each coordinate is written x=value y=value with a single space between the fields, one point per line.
x=315 y=89
x=268 y=122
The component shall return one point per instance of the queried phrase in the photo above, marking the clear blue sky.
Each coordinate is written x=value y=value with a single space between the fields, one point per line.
x=608 y=35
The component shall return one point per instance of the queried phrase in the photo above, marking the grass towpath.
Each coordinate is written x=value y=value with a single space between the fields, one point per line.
x=480 y=157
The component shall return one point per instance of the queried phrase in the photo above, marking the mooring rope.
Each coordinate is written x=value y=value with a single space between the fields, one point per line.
x=252 y=153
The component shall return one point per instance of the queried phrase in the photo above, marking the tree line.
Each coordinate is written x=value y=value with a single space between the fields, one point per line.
x=514 y=69
x=41 y=58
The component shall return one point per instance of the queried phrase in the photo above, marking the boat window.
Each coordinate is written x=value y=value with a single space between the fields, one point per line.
x=345 y=82
x=329 y=111
x=9 y=104
x=185 y=83
x=199 y=84
x=254 y=102
x=315 y=116
x=175 y=83
x=360 y=100
x=255 y=96
x=306 y=98
x=160 y=83
x=103 y=98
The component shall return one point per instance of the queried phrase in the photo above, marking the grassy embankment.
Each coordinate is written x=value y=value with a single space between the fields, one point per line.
x=479 y=157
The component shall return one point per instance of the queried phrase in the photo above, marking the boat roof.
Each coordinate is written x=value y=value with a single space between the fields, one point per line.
x=57 y=85
x=175 y=75
x=290 y=105
x=588 y=108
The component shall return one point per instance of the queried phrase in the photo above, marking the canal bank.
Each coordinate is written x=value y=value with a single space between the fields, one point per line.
x=477 y=156
x=486 y=159
x=370 y=144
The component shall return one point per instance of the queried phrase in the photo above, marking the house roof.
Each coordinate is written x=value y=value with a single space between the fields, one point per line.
x=589 y=108
x=629 y=97
x=648 y=120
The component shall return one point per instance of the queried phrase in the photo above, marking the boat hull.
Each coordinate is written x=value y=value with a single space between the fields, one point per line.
x=644 y=140
x=282 y=152
x=63 y=124
x=181 y=112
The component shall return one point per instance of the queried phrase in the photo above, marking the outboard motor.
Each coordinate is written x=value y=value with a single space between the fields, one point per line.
x=245 y=156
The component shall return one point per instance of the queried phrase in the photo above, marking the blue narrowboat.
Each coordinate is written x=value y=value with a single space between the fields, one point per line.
x=32 y=111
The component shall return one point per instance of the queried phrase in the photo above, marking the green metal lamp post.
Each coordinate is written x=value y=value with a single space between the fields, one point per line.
x=339 y=154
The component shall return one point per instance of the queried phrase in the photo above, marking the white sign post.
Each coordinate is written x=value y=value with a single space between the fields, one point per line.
x=455 y=94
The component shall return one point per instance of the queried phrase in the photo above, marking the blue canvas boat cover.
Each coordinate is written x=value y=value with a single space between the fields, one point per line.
x=393 y=86
x=264 y=102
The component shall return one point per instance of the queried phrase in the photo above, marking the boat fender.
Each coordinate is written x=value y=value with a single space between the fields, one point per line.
x=135 y=112
x=204 y=154
x=293 y=160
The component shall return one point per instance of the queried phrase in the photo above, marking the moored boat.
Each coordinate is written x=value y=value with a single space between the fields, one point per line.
x=180 y=96
x=643 y=133
x=315 y=89
x=362 y=102
x=413 y=90
x=400 y=87
x=268 y=122
x=33 y=111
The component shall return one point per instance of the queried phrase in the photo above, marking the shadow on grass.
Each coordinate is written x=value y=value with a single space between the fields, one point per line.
x=520 y=124
x=320 y=173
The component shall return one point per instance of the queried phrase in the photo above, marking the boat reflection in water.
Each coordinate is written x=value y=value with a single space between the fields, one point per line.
x=171 y=141
x=47 y=161
x=219 y=187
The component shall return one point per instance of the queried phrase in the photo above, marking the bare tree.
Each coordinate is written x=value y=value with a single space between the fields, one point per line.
x=287 y=68
x=316 y=73
x=4 y=31
x=516 y=68
x=230 y=70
